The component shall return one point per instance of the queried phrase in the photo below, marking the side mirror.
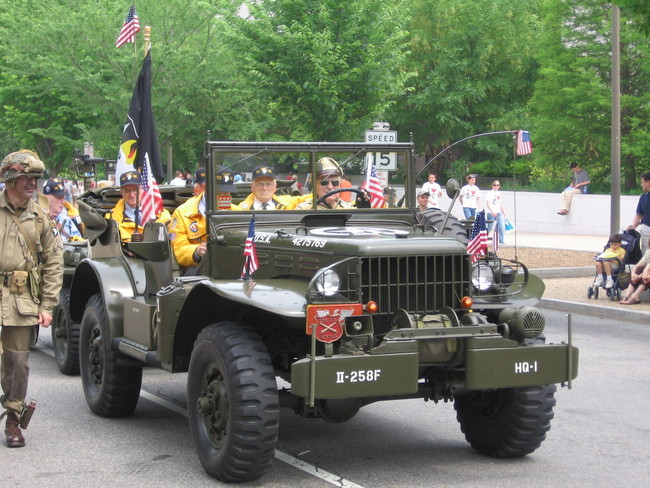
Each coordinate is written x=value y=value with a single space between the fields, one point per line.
x=452 y=187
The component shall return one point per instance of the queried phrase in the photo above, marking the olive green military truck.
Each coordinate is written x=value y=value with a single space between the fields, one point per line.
x=348 y=306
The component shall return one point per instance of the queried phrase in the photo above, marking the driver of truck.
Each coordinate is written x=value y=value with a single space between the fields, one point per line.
x=125 y=209
x=328 y=178
x=187 y=230
x=264 y=186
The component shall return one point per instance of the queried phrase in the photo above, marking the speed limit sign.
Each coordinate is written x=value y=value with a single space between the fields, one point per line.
x=382 y=160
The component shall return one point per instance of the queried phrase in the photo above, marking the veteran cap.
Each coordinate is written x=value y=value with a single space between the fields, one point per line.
x=53 y=187
x=328 y=166
x=199 y=175
x=263 y=170
x=131 y=178
x=224 y=179
x=19 y=163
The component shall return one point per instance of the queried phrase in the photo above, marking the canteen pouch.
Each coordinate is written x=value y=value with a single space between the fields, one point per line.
x=17 y=282
x=35 y=284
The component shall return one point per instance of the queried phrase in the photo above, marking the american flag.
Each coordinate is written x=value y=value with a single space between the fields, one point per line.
x=477 y=246
x=129 y=29
x=250 y=253
x=373 y=186
x=152 y=203
x=524 y=144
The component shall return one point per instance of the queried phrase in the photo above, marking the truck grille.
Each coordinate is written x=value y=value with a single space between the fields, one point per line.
x=418 y=284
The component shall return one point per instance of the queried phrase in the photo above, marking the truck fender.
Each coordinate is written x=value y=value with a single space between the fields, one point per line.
x=111 y=278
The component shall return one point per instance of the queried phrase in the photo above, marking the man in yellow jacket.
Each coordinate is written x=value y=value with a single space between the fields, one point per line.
x=187 y=230
x=264 y=185
x=125 y=209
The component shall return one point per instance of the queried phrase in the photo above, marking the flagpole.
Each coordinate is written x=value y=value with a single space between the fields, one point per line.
x=147 y=39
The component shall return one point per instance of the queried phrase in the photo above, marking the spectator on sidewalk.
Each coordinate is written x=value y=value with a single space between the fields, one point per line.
x=470 y=197
x=609 y=261
x=639 y=281
x=579 y=184
x=434 y=190
x=641 y=221
x=495 y=212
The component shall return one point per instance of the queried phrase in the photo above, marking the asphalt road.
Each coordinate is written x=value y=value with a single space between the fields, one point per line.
x=599 y=437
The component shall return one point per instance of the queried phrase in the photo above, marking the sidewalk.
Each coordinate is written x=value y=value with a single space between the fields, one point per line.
x=558 y=241
x=575 y=243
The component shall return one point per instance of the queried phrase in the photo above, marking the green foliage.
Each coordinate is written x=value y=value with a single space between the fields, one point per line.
x=322 y=70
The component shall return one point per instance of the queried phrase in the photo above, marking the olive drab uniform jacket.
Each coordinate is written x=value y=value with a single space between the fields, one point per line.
x=126 y=225
x=187 y=230
x=18 y=306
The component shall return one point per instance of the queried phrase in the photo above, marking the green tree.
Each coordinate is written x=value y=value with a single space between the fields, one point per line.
x=324 y=70
x=475 y=72
x=572 y=100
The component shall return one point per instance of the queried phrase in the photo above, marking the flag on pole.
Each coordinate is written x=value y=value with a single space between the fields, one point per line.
x=139 y=149
x=250 y=253
x=373 y=186
x=524 y=144
x=495 y=237
x=129 y=29
x=477 y=246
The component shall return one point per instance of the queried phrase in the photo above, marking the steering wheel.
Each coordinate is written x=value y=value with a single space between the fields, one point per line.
x=359 y=193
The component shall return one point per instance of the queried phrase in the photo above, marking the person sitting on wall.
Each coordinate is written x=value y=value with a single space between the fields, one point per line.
x=579 y=182
x=124 y=212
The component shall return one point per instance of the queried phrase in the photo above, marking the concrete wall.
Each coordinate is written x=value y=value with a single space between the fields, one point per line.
x=537 y=212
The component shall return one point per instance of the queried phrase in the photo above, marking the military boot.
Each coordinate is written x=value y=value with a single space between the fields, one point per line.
x=12 y=431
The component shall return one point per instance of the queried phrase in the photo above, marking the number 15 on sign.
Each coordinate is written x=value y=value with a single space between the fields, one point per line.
x=383 y=160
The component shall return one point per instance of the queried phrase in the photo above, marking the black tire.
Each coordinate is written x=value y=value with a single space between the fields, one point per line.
x=506 y=423
x=590 y=292
x=432 y=220
x=596 y=292
x=111 y=389
x=232 y=402
x=65 y=336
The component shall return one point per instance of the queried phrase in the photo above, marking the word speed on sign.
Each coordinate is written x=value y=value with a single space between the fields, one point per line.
x=382 y=160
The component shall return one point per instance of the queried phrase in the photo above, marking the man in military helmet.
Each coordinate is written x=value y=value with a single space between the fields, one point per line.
x=263 y=186
x=124 y=212
x=31 y=273
x=328 y=178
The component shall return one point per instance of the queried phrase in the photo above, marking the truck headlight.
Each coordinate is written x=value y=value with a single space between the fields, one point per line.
x=328 y=283
x=482 y=277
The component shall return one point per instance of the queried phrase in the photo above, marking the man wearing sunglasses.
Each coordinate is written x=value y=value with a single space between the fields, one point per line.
x=328 y=178
x=264 y=185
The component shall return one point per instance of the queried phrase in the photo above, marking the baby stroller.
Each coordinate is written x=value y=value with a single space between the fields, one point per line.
x=630 y=241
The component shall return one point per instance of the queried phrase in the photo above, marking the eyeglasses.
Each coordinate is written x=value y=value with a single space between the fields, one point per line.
x=326 y=182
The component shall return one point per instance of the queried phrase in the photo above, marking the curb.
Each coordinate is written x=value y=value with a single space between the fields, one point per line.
x=578 y=272
x=598 y=310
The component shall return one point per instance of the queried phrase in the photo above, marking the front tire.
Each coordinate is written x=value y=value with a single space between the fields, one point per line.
x=111 y=389
x=65 y=336
x=232 y=402
x=506 y=423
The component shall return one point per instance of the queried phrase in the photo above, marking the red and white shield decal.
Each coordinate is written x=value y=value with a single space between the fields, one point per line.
x=328 y=320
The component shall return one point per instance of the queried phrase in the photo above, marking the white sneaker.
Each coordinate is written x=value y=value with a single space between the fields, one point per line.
x=598 y=281
x=610 y=282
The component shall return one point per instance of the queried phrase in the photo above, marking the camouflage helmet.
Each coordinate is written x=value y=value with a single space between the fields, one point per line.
x=328 y=166
x=19 y=163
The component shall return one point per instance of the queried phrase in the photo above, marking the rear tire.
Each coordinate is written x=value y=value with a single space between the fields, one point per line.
x=506 y=423
x=65 y=336
x=232 y=402
x=111 y=389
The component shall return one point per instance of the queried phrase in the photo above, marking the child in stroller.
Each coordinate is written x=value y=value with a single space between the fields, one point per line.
x=611 y=263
